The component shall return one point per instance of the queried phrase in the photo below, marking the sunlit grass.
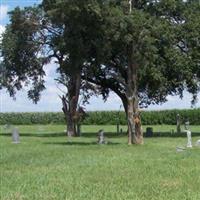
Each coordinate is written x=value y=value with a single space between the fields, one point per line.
x=47 y=166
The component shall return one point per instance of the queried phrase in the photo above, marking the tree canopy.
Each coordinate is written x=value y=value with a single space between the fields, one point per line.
x=164 y=36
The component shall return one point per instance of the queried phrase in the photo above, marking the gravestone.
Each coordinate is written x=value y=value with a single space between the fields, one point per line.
x=101 y=138
x=187 y=123
x=149 y=132
x=180 y=149
x=189 y=137
x=198 y=143
x=15 y=136
x=189 y=134
x=7 y=126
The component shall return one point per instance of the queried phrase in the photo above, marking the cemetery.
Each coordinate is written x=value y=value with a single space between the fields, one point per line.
x=100 y=100
x=38 y=161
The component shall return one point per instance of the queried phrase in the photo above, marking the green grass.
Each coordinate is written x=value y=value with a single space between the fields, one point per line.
x=48 y=166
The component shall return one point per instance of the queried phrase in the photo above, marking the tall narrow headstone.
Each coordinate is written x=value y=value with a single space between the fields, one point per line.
x=101 y=139
x=189 y=137
x=15 y=136
x=189 y=134
x=187 y=123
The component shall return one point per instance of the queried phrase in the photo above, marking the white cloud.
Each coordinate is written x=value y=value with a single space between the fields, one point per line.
x=2 y=29
x=174 y=102
x=3 y=11
x=51 y=102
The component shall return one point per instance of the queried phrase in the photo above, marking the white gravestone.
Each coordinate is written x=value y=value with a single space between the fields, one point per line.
x=198 y=143
x=189 y=137
x=15 y=136
x=189 y=134
x=101 y=139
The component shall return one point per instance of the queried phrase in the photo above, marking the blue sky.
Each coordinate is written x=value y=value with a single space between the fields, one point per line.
x=50 y=100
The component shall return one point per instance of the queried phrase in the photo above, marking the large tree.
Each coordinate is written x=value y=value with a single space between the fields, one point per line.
x=55 y=30
x=151 y=51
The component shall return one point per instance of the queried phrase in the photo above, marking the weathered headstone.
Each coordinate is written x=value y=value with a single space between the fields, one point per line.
x=149 y=132
x=101 y=139
x=198 y=143
x=189 y=134
x=7 y=126
x=189 y=137
x=180 y=149
x=15 y=136
x=187 y=123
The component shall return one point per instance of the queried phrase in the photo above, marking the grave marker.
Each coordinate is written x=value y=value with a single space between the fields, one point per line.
x=189 y=134
x=15 y=136
x=101 y=139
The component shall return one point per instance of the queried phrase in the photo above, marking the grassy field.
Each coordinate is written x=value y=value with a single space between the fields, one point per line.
x=48 y=166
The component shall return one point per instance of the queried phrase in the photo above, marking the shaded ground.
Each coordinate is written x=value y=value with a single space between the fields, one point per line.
x=91 y=131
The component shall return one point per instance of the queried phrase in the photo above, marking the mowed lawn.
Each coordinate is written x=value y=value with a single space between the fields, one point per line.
x=47 y=165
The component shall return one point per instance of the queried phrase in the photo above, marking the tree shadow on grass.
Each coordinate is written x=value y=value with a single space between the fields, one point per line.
x=95 y=135
x=106 y=134
x=61 y=134
x=80 y=143
x=36 y=134
x=173 y=135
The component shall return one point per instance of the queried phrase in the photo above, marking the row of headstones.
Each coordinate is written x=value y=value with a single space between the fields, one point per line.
x=15 y=136
x=101 y=138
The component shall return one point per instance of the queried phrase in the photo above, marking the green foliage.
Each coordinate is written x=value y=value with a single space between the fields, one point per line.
x=160 y=40
x=103 y=117
x=32 y=118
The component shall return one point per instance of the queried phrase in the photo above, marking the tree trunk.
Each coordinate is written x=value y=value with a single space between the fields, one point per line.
x=71 y=128
x=70 y=103
x=138 y=136
x=78 y=131
x=135 y=134
x=131 y=124
x=133 y=115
